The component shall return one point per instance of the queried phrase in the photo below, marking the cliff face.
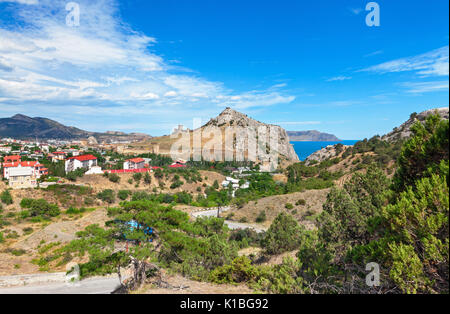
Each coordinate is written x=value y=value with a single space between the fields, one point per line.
x=232 y=118
x=312 y=136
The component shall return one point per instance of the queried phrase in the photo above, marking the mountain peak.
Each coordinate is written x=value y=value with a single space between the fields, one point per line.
x=230 y=117
x=21 y=117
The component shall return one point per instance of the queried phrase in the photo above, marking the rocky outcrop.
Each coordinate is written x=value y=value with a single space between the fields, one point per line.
x=233 y=118
x=325 y=153
x=400 y=133
x=404 y=131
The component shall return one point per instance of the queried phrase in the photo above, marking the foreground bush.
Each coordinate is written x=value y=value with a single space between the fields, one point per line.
x=283 y=235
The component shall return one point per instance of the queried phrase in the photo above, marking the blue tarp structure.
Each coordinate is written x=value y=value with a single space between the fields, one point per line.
x=133 y=225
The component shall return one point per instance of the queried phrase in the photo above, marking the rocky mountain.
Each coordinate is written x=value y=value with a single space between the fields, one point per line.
x=404 y=130
x=311 y=136
x=24 y=127
x=219 y=124
x=233 y=118
x=399 y=133
x=325 y=153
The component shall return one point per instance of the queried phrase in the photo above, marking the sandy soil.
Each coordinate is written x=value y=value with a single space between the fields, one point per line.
x=193 y=287
x=62 y=231
x=274 y=205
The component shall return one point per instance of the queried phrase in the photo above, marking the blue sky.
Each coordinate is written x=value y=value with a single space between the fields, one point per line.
x=147 y=65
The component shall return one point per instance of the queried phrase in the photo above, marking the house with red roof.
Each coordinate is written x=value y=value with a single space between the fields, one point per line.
x=77 y=162
x=134 y=163
x=57 y=156
x=30 y=168
x=15 y=158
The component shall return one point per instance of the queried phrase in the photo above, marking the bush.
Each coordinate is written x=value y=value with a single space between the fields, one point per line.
x=123 y=194
x=289 y=206
x=137 y=177
x=300 y=202
x=73 y=175
x=240 y=270
x=107 y=196
x=41 y=207
x=6 y=197
x=114 y=178
x=38 y=208
x=261 y=217
x=424 y=150
x=283 y=235
x=27 y=230
x=26 y=202
x=147 y=178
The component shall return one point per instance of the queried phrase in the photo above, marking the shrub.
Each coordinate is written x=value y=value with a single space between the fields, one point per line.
x=107 y=196
x=26 y=202
x=425 y=149
x=240 y=270
x=41 y=207
x=27 y=230
x=300 y=202
x=137 y=177
x=147 y=178
x=261 y=217
x=6 y=197
x=123 y=194
x=283 y=235
x=289 y=206
x=114 y=178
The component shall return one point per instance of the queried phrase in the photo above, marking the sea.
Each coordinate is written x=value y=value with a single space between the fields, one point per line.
x=304 y=149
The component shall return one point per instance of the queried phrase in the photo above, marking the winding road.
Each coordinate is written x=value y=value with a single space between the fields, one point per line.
x=96 y=285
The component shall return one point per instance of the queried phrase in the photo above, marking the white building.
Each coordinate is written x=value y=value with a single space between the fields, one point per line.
x=85 y=162
x=5 y=149
x=94 y=170
x=36 y=169
x=22 y=178
x=135 y=163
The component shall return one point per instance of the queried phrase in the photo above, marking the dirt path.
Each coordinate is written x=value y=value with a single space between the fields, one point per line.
x=231 y=224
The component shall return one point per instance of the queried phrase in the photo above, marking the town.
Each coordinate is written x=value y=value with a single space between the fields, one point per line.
x=31 y=164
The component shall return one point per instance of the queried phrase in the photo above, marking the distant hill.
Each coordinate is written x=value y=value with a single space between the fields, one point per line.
x=311 y=136
x=24 y=127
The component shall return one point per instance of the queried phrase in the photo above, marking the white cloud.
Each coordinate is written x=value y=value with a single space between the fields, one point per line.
x=171 y=94
x=356 y=11
x=433 y=63
x=22 y=1
x=339 y=78
x=375 y=53
x=426 y=87
x=46 y=64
